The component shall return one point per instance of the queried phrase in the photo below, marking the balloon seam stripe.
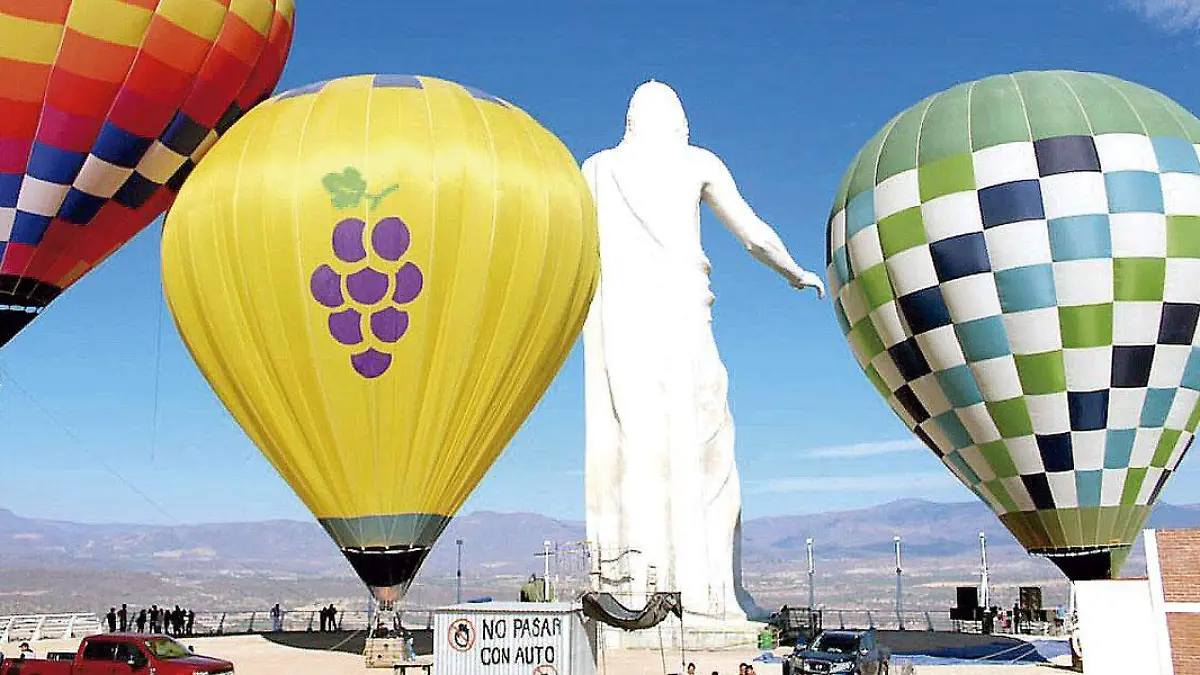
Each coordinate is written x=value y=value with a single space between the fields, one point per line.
x=1133 y=108
x=995 y=506
x=468 y=464
x=138 y=51
x=37 y=129
x=420 y=432
x=372 y=401
x=1024 y=107
x=1170 y=113
x=1078 y=101
x=319 y=463
x=1125 y=514
x=465 y=465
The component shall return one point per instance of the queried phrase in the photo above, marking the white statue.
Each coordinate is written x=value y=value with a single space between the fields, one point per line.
x=663 y=498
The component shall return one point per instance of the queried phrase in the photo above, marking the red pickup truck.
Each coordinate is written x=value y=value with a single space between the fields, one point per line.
x=121 y=654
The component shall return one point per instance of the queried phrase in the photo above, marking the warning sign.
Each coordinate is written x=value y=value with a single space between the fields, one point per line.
x=508 y=641
x=461 y=635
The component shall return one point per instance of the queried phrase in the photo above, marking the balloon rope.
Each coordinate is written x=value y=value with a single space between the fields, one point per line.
x=7 y=376
x=79 y=444
x=162 y=300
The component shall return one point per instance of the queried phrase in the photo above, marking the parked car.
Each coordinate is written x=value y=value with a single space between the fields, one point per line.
x=844 y=652
x=121 y=654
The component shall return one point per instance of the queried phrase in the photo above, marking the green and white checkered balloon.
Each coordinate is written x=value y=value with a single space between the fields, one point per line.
x=1015 y=262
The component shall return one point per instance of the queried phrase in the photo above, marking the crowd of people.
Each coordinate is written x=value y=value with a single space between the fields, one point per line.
x=329 y=620
x=155 y=620
x=181 y=623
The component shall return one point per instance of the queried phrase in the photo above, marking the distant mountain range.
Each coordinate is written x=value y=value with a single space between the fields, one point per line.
x=55 y=566
x=498 y=544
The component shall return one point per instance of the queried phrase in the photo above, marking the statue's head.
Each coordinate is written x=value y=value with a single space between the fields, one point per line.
x=656 y=114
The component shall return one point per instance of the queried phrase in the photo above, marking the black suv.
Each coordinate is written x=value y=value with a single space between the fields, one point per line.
x=840 y=652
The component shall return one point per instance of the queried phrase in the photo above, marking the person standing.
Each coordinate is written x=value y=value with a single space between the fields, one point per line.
x=276 y=618
x=333 y=625
x=123 y=617
x=112 y=619
x=141 y=621
x=191 y=623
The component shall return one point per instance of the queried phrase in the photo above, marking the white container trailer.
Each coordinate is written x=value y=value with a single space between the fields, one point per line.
x=513 y=638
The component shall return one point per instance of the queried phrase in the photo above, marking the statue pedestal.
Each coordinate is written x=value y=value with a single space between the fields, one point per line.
x=696 y=635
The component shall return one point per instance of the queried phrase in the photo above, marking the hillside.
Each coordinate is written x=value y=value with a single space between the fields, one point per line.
x=56 y=565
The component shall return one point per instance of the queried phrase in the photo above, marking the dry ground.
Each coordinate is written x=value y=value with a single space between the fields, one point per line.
x=254 y=655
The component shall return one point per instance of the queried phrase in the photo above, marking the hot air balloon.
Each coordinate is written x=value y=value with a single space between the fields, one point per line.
x=379 y=276
x=105 y=107
x=1015 y=262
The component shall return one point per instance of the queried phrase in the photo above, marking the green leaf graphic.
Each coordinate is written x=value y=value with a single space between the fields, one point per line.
x=376 y=198
x=346 y=189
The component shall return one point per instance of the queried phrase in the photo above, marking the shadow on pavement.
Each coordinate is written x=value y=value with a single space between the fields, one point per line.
x=970 y=646
x=349 y=642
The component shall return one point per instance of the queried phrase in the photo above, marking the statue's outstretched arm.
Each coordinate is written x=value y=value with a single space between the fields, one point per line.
x=722 y=196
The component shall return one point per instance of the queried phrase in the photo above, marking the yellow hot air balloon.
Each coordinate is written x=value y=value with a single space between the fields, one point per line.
x=379 y=276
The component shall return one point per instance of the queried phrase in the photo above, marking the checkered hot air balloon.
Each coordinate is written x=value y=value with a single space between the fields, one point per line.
x=1015 y=262
x=105 y=107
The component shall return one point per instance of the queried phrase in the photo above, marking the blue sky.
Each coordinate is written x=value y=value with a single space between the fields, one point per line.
x=98 y=423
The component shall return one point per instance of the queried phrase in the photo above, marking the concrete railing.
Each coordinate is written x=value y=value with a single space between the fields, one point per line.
x=22 y=627
x=296 y=620
x=916 y=620
x=31 y=627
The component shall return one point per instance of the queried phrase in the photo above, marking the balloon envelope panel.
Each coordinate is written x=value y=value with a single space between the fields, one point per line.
x=1015 y=262
x=105 y=108
x=380 y=276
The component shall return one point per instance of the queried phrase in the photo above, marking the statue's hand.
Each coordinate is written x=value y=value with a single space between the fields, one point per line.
x=809 y=280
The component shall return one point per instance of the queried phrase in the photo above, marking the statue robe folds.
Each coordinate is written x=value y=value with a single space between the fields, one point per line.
x=663 y=496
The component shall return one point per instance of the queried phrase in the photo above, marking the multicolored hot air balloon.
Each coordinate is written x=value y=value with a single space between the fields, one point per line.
x=1016 y=264
x=105 y=107
x=380 y=276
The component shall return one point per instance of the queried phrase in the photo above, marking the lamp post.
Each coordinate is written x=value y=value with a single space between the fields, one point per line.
x=899 y=585
x=984 y=591
x=546 y=572
x=811 y=571
x=458 y=592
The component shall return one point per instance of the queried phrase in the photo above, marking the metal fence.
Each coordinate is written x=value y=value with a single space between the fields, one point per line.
x=920 y=619
x=22 y=627
x=241 y=622
x=237 y=622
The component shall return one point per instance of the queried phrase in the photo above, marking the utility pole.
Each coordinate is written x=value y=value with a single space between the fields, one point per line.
x=899 y=585
x=458 y=591
x=812 y=603
x=984 y=591
x=546 y=572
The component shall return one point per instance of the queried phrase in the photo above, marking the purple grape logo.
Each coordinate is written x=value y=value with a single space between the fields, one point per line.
x=367 y=299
